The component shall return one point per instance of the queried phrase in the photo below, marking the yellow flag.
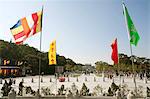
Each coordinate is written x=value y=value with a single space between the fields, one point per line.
x=52 y=53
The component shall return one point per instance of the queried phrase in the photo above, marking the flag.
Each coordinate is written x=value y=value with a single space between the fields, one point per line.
x=52 y=53
x=27 y=27
x=133 y=34
x=114 y=55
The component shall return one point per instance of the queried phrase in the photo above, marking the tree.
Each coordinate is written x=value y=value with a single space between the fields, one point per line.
x=61 y=60
x=101 y=66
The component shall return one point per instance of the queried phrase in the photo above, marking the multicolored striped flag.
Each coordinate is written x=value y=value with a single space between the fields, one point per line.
x=114 y=55
x=27 y=27
x=52 y=53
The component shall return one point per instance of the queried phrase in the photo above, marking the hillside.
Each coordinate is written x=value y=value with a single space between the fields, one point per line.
x=24 y=55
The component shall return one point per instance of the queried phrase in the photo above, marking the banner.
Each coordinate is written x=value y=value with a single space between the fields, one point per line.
x=52 y=53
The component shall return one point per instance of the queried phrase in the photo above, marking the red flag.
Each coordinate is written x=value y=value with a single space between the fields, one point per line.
x=114 y=55
x=27 y=26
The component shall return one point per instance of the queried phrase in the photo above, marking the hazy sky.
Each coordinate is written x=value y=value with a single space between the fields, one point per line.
x=83 y=29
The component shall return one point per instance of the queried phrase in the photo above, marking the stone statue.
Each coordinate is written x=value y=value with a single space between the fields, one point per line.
x=12 y=94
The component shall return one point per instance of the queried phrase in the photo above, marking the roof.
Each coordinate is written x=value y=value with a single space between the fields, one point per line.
x=11 y=67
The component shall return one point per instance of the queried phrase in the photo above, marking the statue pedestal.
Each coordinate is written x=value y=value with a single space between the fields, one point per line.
x=12 y=95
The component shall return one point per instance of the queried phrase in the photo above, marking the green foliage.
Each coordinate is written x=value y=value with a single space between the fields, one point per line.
x=141 y=64
x=71 y=65
x=114 y=87
x=112 y=90
x=101 y=66
x=61 y=60
x=61 y=90
x=148 y=92
x=110 y=93
x=84 y=90
x=30 y=56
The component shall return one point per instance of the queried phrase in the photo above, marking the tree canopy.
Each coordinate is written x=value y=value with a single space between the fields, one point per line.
x=29 y=57
x=26 y=56
x=141 y=64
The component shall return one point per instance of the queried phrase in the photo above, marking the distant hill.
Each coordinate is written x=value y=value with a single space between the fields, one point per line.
x=27 y=56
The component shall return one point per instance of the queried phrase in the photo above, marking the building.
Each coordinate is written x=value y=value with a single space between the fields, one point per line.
x=88 y=68
x=59 y=69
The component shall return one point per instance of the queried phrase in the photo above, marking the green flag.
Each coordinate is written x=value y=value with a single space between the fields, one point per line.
x=134 y=36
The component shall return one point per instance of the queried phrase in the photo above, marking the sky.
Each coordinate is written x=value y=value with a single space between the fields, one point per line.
x=83 y=29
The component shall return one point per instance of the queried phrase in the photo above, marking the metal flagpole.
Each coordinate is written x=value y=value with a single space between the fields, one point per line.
x=56 y=83
x=119 y=70
x=56 y=75
x=134 y=80
x=130 y=49
x=119 y=73
x=40 y=51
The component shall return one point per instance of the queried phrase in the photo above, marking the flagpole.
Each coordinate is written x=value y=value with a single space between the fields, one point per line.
x=40 y=57
x=118 y=63
x=119 y=67
x=134 y=80
x=40 y=61
x=56 y=81
x=119 y=71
